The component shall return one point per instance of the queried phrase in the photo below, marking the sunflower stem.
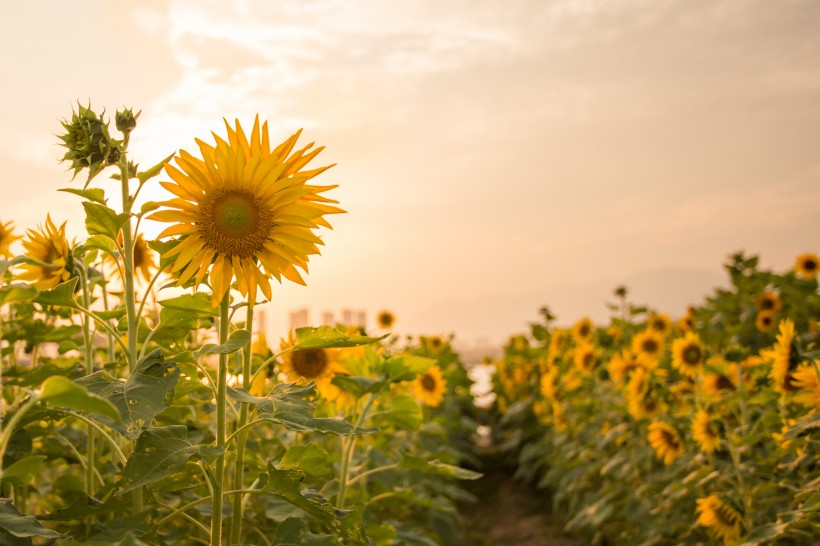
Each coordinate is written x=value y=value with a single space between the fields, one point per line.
x=89 y=369
x=242 y=438
x=221 y=390
x=348 y=443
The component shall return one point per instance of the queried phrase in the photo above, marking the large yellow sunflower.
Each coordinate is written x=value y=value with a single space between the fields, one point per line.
x=721 y=520
x=705 y=432
x=688 y=354
x=244 y=211
x=50 y=246
x=430 y=387
x=666 y=441
x=7 y=237
x=807 y=265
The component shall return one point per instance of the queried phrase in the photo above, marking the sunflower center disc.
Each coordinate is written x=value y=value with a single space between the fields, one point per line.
x=692 y=355
x=309 y=363
x=428 y=382
x=235 y=222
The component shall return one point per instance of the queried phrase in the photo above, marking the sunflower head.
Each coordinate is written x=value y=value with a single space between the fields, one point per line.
x=768 y=301
x=586 y=358
x=765 y=321
x=705 y=432
x=807 y=265
x=385 y=319
x=666 y=441
x=7 y=237
x=688 y=354
x=49 y=246
x=721 y=518
x=805 y=379
x=660 y=323
x=244 y=211
x=309 y=364
x=429 y=388
x=648 y=343
x=582 y=330
x=784 y=358
x=144 y=258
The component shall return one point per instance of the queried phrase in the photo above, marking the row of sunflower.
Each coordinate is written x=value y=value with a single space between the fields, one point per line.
x=134 y=414
x=702 y=430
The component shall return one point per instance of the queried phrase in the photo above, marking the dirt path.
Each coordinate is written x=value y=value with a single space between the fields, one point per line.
x=509 y=513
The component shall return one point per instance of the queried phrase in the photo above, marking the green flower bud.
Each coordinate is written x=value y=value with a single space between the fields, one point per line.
x=126 y=120
x=88 y=142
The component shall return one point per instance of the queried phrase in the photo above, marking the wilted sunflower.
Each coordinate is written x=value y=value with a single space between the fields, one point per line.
x=666 y=441
x=768 y=301
x=722 y=521
x=660 y=323
x=765 y=321
x=7 y=237
x=385 y=319
x=51 y=247
x=648 y=343
x=585 y=357
x=784 y=359
x=319 y=365
x=244 y=211
x=688 y=354
x=582 y=330
x=705 y=432
x=430 y=387
x=807 y=265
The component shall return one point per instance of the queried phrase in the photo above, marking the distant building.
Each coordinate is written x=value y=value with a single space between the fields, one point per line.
x=299 y=318
x=328 y=319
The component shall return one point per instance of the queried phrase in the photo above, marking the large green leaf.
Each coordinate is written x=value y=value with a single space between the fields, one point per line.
x=22 y=526
x=439 y=469
x=358 y=386
x=403 y=413
x=147 y=391
x=23 y=471
x=101 y=220
x=406 y=367
x=312 y=459
x=291 y=406
x=327 y=337
x=61 y=391
x=17 y=292
x=236 y=341
x=60 y=295
x=160 y=452
x=198 y=303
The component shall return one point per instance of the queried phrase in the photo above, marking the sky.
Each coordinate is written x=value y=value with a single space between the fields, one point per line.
x=493 y=157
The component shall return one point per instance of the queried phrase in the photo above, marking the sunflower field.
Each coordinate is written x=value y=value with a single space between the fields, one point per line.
x=140 y=407
x=701 y=430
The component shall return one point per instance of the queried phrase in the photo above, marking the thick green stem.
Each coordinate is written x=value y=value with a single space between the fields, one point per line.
x=348 y=443
x=221 y=390
x=242 y=438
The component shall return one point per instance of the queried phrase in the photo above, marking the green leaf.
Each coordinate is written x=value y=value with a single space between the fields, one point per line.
x=328 y=337
x=23 y=471
x=160 y=452
x=60 y=295
x=290 y=405
x=155 y=170
x=61 y=391
x=358 y=386
x=439 y=469
x=21 y=527
x=406 y=367
x=403 y=413
x=237 y=340
x=146 y=392
x=101 y=242
x=94 y=194
x=116 y=313
x=312 y=459
x=198 y=303
x=150 y=206
x=17 y=292
x=101 y=220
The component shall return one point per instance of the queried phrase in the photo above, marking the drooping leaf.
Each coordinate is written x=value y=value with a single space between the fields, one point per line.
x=23 y=471
x=160 y=452
x=61 y=295
x=435 y=467
x=61 y=391
x=101 y=220
x=22 y=526
x=328 y=337
x=312 y=459
x=17 y=292
x=92 y=194
x=155 y=170
x=290 y=405
x=147 y=391
x=236 y=341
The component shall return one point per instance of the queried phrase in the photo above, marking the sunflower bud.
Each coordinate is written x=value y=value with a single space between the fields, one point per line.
x=88 y=142
x=126 y=120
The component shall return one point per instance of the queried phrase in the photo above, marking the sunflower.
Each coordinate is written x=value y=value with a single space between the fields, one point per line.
x=641 y=403
x=318 y=365
x=705 y=432
x=660 y=323
x=648 y=343
x=621 y=365
x=582 y=330
x=768 y=301
x=585 y=357
x=688 y=354
x=7 y=237
x=385 y=319
x=721 y=519
x=429 y=388
x=666 y=441
x=50 y=247
x=783 y=358
x=806 y=265
x=765 y=321
x=550 y=382
x=805 y=379
x=244 y=211
x=559 y=339
x=144 y=258
x=434 y=344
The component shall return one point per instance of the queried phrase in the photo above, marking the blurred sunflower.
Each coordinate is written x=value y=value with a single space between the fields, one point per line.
x=550 y=384
x=688 y=354
x=582 y=330
x=666 y=441
x=648 y=343
x=621 y=365
x=385 y=320
x=687 y=322
x=784 y=359
x=434 y=344
x=769 y=301
x=244 y=212
x=660 y=323
x=807 y=265
x=429 y=388
x=144 y=258
x=585 y=357
x=805 y=379
x=319 y=365
x=721 y=519
x=49 y=246
x=705 y=432
x=7 y=237
x=765 y=321
x=713 y=383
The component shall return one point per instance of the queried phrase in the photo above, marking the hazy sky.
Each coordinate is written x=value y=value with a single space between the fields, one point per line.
x=493 y=156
